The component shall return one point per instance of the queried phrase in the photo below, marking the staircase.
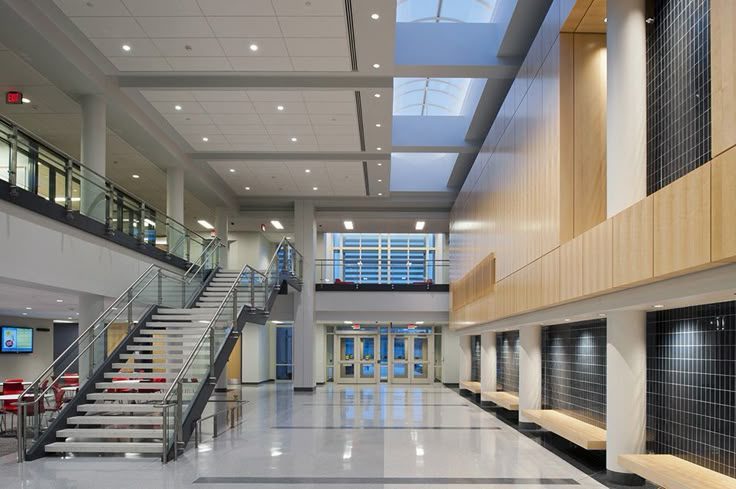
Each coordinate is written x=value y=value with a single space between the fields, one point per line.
x=123 y=414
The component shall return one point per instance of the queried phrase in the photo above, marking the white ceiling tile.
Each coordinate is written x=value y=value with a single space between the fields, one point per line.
x=176 y=27
x=114 y=47
x=196 y=129
x=17 y=72
x=199 y=64
x=236 y=7
x=228 y=107
x=124 y=63
x=293 y=119
x=107 y=27
x=167 y=96
x=335 y=130
x=332 y=119
x=237 y=119
x=290 y=130
x=220 y=95
x=331 y=107
x=177 y=119
x=189 y=47
x=241 y=139
x=162 y=8
x=321 y=64
x=248 y=27
x=170 y=107
x=214 y=139
x=329 y=96
x=339 y=140
x=243 y=129
x=98 y=8
x=313 y=26
x=201 y=146
x=317 y=47
x=313 y=7
x=272 y=108
x=268 y=47
x=261 y=64
x=275 y=96
x=252 y=147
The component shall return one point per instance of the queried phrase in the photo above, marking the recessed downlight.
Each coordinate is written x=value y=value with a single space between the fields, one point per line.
x=232 y=170
x=279 y=108
x=177 y=107
x=567 y=320
x=379 y=180
x=658 y=306
x=376 y=65
x=254 y=47
x=277 y=225
x=380 y=194
x=205 y=139
x=307 y=171
x=136 y=176
x=29 y=308
x=315 y=188
x=293 y=140
x=378 y=124
x=25 y=100
x=380 y=164
x=377 y=95
x=59 y=300
x=375 y=16
x=348 y=225
x=379 y=148
x=205 y=224
x=126 y=48
x=247 y=188
x=419 y=225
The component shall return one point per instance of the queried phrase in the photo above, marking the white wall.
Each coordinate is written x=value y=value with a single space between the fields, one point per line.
x=450 y=356
x=28 y=365
x=39 y=250
x=256 y=353
x=249 y=248
x=319 y=354
x=383 y=306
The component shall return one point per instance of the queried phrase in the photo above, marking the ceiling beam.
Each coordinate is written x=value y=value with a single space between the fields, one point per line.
x=239 y=81
x=293 y=156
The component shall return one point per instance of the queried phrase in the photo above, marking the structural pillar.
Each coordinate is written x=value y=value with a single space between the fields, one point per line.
x=626 y=391
x=93 y=156
x=530 y=372
x=488 y=362
x=91 y=307
x=626 y=113
x=175 y=210
x=305 y=237
x=466 y=359
x=221 y=230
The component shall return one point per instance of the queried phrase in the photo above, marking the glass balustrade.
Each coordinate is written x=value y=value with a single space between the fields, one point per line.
x=418 y=271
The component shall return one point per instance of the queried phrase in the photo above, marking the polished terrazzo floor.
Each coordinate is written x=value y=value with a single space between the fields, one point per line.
x=358 y=437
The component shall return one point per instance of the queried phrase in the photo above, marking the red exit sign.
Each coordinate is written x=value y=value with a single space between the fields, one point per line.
x=13 y=98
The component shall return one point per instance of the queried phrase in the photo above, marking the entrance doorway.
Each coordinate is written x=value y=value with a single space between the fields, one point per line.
x=410 y=359
x=356 y=358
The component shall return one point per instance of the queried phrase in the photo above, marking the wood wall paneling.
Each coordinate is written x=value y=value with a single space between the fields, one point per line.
x=577 y=12
x=550 y=289
x=682 y=223
x=723 y=212
x=592 y=21
x=598 y=258
x=571 y=269
x=723 y=75
x=567 y=136
x=633 y=244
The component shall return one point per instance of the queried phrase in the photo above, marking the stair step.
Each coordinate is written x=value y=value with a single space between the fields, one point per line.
x=180 y=325
x=110 y=433
x=139 y=375
x=151 y=366
x=185 y=349
x=125 y=396
x=176 y=312
x=103 y=447
x=181 y=318
x=166 y=341
x=156 y=356
x=175 y=332
x=133 y=385
x=118 y=408
x=115 y=420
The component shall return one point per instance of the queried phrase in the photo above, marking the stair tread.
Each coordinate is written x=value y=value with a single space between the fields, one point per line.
x=110 y=433
x=125 y=396
x=104 y=447
x=115 y=420
x=118 y=408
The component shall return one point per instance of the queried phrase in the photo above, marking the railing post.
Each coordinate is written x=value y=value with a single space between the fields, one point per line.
x=213 y=379
x=160 y=287
x=21 y=431
x=13 y=169
x=253 y=289
x=178 y=418
x=235 y=307
x=91 y=353
x=108 y=210
x=165 y=433
x=141 y=224
x=130 y=310
x=69 y=186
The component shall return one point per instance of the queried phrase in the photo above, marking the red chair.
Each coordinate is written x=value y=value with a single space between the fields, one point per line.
x=11 y=386
x=70 y=380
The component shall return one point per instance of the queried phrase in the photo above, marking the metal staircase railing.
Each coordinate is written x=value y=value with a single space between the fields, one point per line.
x=94 y=346
x=251 y=293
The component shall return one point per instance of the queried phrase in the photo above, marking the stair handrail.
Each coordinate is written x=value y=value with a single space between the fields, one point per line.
x=286 y=244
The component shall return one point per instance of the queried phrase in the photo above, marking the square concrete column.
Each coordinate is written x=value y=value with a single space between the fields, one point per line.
x=175 y=210
x=488 y=362
x=305 y=237
x=93 y=155
x=221 y=230
x=530 y=372
x=466 y=359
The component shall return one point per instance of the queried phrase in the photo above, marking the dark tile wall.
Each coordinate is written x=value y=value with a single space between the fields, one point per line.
x=574 y=370
x=678 y=89
x=507 y=361
x=475 y=358
x=691 y=384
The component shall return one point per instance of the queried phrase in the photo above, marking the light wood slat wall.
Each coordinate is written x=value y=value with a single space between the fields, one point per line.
x=633 y=244
x=723 y=75
x=723 y=226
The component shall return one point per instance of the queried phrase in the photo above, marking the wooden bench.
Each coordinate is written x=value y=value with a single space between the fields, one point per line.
x=506 y=400
x=675 y=473
x=473 y=387
x=579 y=432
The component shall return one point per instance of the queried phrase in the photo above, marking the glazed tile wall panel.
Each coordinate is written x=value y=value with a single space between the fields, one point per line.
x=507 y=361
x=691 y=384
x=475 y=358
x=678 y=89
x=574 y=370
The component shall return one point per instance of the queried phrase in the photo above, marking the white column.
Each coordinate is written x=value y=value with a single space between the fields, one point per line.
x=626 y=388
x=626 y=113
x=175 y=210
x=530 y=371
x=466 y=359
x=319 y=354
x=305 y=240
x=450 y=356
x=221 y=225
x=91 y=306
x=93 y=156
x=488 y=362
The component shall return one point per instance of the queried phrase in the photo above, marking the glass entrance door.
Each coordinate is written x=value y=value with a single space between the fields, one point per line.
x=410 y=359
x=368 y=363
x=357 y=360
x=399 y=367
x=420 y=359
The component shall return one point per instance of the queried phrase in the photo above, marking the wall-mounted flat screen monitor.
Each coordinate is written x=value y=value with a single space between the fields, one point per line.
x=16 y=340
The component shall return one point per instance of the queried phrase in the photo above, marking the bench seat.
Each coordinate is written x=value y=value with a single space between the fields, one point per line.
x=506 y=400
x=675 y=473
x=579 y=432
x=473 y=387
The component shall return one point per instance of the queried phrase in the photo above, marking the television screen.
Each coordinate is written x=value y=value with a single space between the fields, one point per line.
x=17 y=340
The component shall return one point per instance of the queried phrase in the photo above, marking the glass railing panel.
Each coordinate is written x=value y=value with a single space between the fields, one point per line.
x=366 y=271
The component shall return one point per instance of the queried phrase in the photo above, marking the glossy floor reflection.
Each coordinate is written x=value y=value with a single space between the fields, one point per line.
x=361 y=437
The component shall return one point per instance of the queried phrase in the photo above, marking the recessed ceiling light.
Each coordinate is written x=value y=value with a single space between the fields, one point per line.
x=380 y=164
x=375 y=16
x=658 y=306
x=605 y=20
x=126 y=48
x=419 y=225
x=232 y=170
x=315 y=188
x=380 y=194
x=29 y=308
x=307 y=171
x=254 y=47
x=277 y=225
x=205 y=224
x=247 y=188
x=379 y=180
x=26 y=100
x=177 y=107
x=59 y=300
x=25 y=314
x=69 y=318
x=347 y=322
x=293 y=140
x=601 y=315
x=349 y=225
x=136 y=176
x=419 y=322
x=279 y=107
x=376 y=66
x=205 y=139
x=379 y=149
x=377 y=95
x=378 y=125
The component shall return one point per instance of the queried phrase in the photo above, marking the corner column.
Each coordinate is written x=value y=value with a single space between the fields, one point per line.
x=626 y=391
x=488 y=362
x=221 y=230
x=466 y=359
x=175 y=210
x=93 y=155
x=305 y=237
x=530 y=372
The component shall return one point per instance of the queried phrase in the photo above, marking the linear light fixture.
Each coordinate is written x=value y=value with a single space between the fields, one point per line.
x=420 y=226
x=205 y=224
x=277 y=225
x=348 y=225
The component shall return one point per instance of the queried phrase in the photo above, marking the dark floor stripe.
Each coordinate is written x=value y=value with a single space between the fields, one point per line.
x=386 y=427
x=379 y=404
x=389 y=480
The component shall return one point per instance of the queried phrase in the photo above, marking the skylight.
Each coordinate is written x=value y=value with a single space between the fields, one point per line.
x=475 y=11
x=421 y=172
x=430 y=96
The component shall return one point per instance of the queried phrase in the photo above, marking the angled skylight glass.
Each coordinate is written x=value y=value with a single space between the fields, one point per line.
x=421 y=172
x=475 y=11
x=430 y=96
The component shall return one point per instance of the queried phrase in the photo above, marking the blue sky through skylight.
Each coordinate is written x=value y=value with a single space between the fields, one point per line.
x=430 y=96
x=476 y=11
